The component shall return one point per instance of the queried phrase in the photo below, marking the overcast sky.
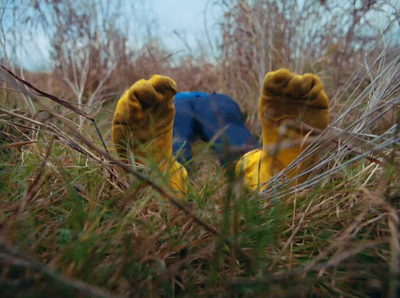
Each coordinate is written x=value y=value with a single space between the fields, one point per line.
x=186 y=18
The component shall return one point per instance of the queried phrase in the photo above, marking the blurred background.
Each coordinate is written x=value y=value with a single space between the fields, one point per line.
x=90 y=51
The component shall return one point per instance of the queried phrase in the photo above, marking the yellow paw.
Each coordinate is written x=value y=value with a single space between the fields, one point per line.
x=144 y=118
x=291 y=96
x=142 y=125
x=296 y=102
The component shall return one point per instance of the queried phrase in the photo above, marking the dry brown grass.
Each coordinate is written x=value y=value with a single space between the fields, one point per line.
x=72 y=222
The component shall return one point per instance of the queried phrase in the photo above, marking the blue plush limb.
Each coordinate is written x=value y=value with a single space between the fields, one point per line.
x=214 y=118
x=220 y=122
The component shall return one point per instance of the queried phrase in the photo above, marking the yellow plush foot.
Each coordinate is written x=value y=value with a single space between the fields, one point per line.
x=290 y=106
x=143 y=123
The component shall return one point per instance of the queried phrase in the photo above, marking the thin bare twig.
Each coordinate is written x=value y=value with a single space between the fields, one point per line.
x=50 y=96
x=59 y=101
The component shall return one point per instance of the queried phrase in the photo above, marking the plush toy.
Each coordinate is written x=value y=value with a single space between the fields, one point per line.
x=290 y=107
x=142 y=127
x=214 y=118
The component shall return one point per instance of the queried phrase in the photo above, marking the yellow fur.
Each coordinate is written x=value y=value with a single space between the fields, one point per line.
x=285 y=97
x=144 y=117
x=143 y=123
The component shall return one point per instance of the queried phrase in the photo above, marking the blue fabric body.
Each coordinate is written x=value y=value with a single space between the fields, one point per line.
x=191 y=94
x=214 y=118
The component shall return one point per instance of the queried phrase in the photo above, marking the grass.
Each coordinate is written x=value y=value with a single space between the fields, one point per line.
x=69 y=227
x=75 y=221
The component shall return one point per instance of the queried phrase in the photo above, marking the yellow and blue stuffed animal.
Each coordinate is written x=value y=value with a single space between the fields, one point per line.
x=289 y=106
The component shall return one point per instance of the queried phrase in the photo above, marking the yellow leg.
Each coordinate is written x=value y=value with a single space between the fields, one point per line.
x=288 y=103
x=143 y=123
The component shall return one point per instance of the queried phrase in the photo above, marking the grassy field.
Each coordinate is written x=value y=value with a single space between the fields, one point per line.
x=74 y=222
